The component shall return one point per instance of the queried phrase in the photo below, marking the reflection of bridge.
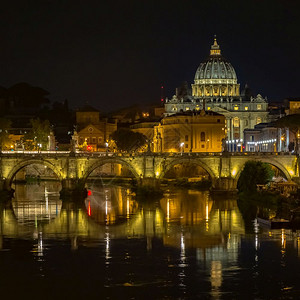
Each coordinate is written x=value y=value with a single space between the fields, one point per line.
x=209 y=226
x=73 y=169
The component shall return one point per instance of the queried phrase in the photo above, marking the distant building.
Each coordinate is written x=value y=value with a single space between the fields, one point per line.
x=292 y=106
x=216 y=89
x=190 y=132
x=264 y=137
x=93 y=133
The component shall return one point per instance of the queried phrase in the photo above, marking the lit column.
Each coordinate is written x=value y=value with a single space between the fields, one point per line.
x=231 y=134
x=287 y=139
x=241 y=129
x=228 y=128
x=279 y=139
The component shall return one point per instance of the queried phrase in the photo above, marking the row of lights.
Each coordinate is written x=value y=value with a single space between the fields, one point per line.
x=262 y=142
x=234 y=141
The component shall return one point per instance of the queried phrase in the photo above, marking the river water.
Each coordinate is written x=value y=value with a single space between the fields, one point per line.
x=185 y=245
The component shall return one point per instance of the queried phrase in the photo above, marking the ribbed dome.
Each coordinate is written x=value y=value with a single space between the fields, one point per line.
x=216 y=66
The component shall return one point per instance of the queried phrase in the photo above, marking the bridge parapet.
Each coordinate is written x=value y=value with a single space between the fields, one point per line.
x=74 y=168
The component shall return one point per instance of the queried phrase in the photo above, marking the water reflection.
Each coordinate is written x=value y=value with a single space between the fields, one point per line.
x=183 y=219
x=187 y=234
x=34 y=203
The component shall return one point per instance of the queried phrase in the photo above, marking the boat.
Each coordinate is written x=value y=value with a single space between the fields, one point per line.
x=280 y=223
x=274 y=223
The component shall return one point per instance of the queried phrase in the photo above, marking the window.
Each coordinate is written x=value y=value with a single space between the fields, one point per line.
x=187 y=108
x=246 y=107
x=258 y=120
x=202 y=146
x=218 y=120
x=202 y=136
x=94 y=140
x=236 y=108
x=186 y=145
x=208 y=108
x=186 y=120
x=258 y=106
x=186 y=138
x=236 y=122
x=251 y=138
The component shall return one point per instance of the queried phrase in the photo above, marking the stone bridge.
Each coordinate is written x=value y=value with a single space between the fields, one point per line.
x=73 y=169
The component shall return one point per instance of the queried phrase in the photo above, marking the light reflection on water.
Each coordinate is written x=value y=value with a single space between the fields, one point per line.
x=183 y=246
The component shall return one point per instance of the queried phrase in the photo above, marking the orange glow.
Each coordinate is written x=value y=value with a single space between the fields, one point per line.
x=89 y=209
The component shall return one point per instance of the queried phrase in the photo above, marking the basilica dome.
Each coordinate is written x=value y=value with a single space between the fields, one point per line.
x=215 y=77
x=216 y=67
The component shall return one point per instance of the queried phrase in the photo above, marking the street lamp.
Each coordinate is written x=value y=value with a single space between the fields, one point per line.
x=106 y=146
x=181 y=147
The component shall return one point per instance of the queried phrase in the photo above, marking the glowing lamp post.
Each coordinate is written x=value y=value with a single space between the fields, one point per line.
x=106 y=146
x=181 y=147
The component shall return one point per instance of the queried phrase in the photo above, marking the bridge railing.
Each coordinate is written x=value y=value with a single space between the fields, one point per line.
x=121 y=154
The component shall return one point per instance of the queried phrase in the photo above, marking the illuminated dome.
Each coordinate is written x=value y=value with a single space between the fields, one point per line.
x=215 y=76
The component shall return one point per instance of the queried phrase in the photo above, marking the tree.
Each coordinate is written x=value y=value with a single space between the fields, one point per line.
x=254 y=172
x=127 y=140
x=292 y=122
x=25 y=95
x=37 y=138
x=5 y=125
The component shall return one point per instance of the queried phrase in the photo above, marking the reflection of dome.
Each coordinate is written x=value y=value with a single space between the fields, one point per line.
x=216 y=76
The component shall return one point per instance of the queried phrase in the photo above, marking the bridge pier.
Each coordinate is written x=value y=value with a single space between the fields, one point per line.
x=224 y=185
x=6 y=192
x=150 y=182
x=72 y=188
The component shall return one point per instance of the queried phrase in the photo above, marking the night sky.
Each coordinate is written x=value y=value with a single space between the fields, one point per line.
x=113 y=54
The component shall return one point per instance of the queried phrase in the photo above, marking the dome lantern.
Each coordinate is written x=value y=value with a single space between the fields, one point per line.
x=215 y=48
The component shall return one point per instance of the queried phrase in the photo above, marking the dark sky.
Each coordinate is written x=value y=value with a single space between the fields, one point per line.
x=112 y=54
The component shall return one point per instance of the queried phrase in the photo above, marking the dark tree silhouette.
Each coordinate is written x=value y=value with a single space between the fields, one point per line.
x=5 y=125
x=127 y=140
x=254 y=172
x=37 y=138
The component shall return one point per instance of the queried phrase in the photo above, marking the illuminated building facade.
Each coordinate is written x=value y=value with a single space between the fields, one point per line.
x=292 y=106
x=93 y=133
x=190 y=132
x=216 y=89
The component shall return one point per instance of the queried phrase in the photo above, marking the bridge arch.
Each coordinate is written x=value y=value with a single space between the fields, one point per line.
x=271 y=162
x=109 y=160
x=28 y=162
x=183 y=160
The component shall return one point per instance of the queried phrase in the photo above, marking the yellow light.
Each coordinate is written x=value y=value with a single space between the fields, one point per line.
x=208 y=108
x=291 y=172
x=246 y=107
x=236 y=108
x=233 y=172
x=157 y=174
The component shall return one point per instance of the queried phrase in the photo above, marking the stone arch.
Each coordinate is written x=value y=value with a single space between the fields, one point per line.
x=182 y=160
x=267 y=161
x=28 y=162
x=104 y=161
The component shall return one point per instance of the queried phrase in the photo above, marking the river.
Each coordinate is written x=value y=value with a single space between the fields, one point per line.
x=186 y=245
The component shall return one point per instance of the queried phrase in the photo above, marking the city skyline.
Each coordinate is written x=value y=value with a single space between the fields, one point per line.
x=116 y=55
